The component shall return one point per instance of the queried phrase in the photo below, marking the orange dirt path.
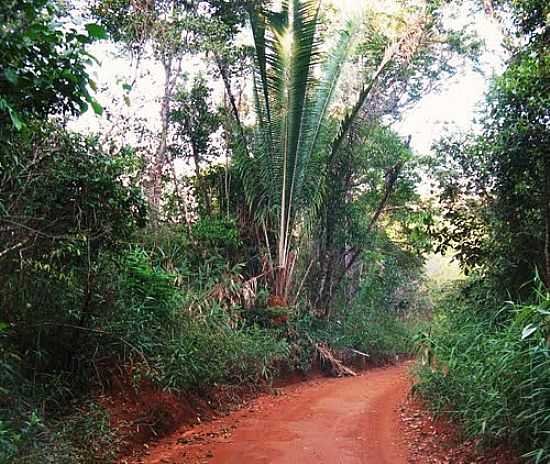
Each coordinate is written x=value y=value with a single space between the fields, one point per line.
x=354 y=420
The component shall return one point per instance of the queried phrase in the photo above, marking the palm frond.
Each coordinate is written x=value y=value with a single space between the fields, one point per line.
x=292 y=106
x=346 y=123
x=320 y=101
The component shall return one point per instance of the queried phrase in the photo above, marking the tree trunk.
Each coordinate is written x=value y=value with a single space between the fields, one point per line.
x=201 y=187
x=231 y=97
x=182 y=201
x=158 y=161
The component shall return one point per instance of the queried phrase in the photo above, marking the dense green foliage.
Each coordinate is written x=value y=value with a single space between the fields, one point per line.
x=385 y=311
x=496 y=184
x=373 y=172
x=306 y=160
x=43 y=64
x=181 y=338
x=491 y=367
x=486 y=358
x=504 y=228
x=298 y=224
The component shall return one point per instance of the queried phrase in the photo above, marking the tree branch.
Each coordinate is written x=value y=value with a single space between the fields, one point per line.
x=12 y=248
x=391 y=179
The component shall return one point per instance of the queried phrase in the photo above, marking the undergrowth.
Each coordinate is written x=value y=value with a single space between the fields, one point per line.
x=385 y=314
x=140 y=315
x=490 y=369
x=173 y=311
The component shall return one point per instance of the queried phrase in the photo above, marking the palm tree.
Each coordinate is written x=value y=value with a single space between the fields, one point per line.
x=294 y=84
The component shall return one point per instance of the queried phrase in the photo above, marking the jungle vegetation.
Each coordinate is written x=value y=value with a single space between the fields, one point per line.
x=261 y=207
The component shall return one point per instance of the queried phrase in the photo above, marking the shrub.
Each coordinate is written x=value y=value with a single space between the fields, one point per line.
x=81 y=438
x=381 y=333
x=204 y=351
x=382 y=317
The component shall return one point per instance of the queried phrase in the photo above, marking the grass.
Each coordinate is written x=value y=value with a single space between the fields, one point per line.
x=490 y=370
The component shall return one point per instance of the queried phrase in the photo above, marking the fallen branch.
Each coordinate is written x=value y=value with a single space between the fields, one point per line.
x=337 y=368
x=360 y=353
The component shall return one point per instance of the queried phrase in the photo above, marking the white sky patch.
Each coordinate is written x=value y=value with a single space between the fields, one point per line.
x=456 y=104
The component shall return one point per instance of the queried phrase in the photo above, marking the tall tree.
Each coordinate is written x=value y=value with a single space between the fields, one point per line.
x=170 y=32
x=503 y=173
x=292 y=107
x=371 y=183
x=195 y=123
x=297 y=139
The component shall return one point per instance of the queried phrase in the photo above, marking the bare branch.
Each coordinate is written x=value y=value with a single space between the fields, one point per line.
x=12 y=248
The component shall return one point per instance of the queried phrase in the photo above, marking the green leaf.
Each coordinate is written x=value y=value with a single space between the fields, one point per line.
x=98 y=109
x=11 y=76
x=95 y=31
x=83 y=39
x=3 y=326
x=16 y=121
x=83 y=106
x=528 y=330
x=127 y=87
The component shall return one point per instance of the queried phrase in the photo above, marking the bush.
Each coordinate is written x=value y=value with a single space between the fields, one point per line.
x=181 y=345
x=381 y=333
x=81 y=438
x=206 y=351
x=492 y=371
x=382 y=318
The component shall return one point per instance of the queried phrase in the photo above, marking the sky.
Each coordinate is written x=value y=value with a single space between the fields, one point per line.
x=456 y=104
x=453 y=106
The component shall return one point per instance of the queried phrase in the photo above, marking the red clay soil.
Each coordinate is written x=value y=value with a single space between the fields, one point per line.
x=365 y=419
x=350 y=420
x=437 y=441
x=142 y=414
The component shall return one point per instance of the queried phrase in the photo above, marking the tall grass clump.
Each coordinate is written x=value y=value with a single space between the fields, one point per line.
x=490 y=370
x=178 y=344
x=208 y=352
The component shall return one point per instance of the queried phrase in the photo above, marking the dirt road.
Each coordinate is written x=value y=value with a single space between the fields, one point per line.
x=353 y=420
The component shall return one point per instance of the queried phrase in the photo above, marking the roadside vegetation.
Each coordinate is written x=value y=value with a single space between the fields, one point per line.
x=486 y=364
x=266 y=219
x=486 y=357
